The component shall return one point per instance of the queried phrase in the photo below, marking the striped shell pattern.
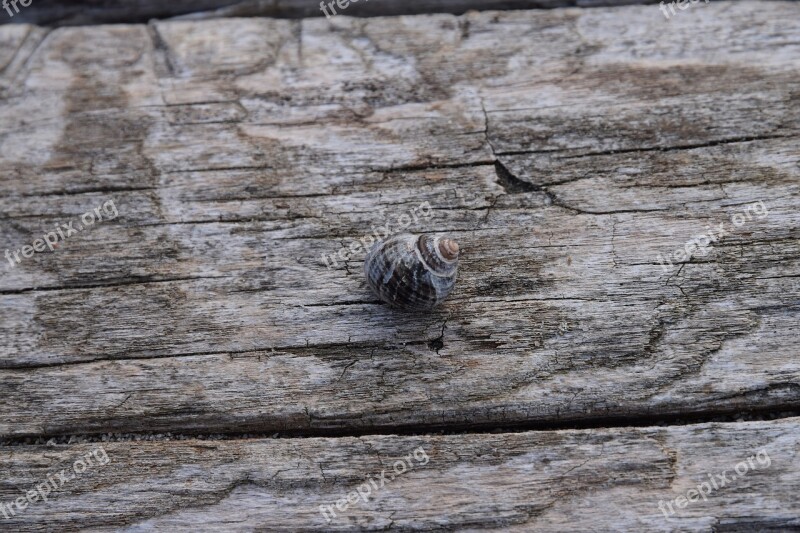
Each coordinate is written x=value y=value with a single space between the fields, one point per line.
x=412 y=272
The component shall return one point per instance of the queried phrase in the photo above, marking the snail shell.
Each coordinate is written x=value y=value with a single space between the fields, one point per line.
x=412 y=272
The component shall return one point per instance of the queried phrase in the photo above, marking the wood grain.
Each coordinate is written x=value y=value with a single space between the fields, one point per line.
x=589 y=480
x=575 y=148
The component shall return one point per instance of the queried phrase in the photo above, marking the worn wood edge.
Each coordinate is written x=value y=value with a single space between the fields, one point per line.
x=311 y=8
x=599 y=479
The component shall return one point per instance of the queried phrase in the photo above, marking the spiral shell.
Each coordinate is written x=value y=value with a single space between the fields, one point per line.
x=412 y=272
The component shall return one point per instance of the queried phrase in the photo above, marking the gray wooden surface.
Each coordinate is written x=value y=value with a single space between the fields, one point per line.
x=586 y=480
x=566 y=150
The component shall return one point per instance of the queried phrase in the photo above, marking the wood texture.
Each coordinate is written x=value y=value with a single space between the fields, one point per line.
x=577 y=147
x=590 y=480
x=565 y=150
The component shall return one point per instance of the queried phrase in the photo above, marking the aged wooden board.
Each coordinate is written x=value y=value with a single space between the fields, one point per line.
x=588 y=480
x=566 y=150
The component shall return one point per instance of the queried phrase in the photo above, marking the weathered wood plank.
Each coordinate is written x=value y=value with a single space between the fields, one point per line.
x=237 y=152
x=588 y=480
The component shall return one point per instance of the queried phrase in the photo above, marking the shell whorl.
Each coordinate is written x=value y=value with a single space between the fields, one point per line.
x=412 y=272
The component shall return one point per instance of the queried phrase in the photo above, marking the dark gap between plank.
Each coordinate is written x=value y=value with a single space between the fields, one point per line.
x=720 y=417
